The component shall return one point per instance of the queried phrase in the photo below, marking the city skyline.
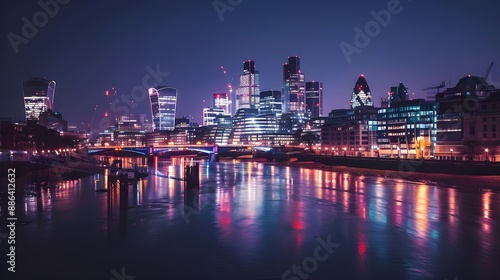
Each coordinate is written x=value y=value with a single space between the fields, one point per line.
x=112 y=51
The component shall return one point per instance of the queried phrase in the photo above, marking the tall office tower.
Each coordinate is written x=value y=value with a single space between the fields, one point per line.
x=398 y=94
x=361 y=95
x=39 y=94
x=293 y=86
x=163 y=102
x=222 y=101
x=314 y=99
x=248 y=93
x=270 y=102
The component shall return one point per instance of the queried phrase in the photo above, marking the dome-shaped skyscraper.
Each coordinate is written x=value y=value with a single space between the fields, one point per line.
x=361 y=95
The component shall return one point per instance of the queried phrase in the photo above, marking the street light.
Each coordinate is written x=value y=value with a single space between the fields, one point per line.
x=451 y=154
x=345 y=150
x=486 y=151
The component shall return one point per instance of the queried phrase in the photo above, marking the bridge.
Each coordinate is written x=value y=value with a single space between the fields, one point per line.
x=211 y=150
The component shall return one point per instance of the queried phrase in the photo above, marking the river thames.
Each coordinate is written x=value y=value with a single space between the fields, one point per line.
x=258 y=221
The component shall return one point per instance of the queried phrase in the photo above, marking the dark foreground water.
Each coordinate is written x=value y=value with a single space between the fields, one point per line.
x=258 y=221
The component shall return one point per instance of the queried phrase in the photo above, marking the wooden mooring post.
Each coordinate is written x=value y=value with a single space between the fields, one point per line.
x=191 y=186
x=192 y=176
x=120 y=180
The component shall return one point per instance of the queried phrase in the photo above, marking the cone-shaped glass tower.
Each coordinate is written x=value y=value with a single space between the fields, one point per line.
x=361 y=95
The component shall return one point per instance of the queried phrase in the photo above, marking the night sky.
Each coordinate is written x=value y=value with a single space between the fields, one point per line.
x=90 y=46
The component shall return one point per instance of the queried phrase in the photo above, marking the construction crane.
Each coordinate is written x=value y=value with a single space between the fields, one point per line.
x=488 y=72
x=230 y=88
x=88 y=127
x=229 y=83
x=442 y=85
x=431 y=95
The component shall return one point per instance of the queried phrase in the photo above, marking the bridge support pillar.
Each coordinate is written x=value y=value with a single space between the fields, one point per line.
x=213 y=157
x=151 y=159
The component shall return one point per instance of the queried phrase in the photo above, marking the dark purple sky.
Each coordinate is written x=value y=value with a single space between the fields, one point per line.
x=89 y=46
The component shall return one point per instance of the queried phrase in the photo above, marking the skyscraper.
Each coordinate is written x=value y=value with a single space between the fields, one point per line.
x=163 y=102
x=39 y=94
x=293 y=86
x=270 y=102
x=361 y=95
x=248 y=93
x=221 y=101
x=398 y=94
x=314 y=99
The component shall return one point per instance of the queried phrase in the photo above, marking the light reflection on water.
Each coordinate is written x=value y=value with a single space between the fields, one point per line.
x=258 y=220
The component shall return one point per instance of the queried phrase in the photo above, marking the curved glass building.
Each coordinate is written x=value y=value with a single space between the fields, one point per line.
x=163 y=103
x=39 y=96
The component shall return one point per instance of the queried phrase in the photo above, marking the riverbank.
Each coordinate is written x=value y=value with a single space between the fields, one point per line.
x=468 y=182
x=454 y=167
x=52 y=168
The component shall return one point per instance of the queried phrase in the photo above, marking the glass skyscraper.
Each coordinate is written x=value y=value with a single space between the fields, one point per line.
x=39 y=94
x=361 y=95
x=163 y=103
x=270 y=102
x=248 y=93
x=314 y=99
x=398 y=94
x=293 y=86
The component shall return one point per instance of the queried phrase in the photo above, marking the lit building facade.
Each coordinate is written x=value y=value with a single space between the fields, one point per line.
x=210 y=115
x=163 y=102
x=361 y=95
x=351 y=132
x=270 y=102
x=248 y=93
x=39 y=94
x=293 y=86
x=467 y=121
x=314 y=99
x=252 y=128
x=291 y=122
x=222 y=101
x=407 y=129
